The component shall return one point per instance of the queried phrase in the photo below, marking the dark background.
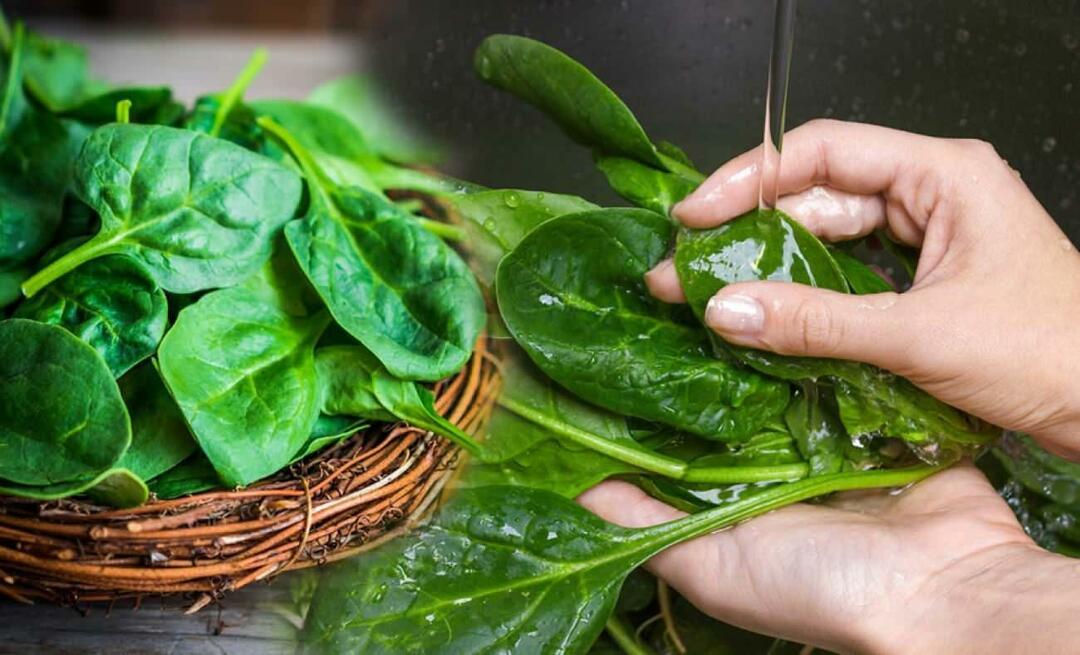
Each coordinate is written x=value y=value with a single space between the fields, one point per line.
x=1007 y=71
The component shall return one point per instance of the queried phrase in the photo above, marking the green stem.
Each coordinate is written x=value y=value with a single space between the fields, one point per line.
x=317 y=179
x=237 y=90
x=389 y=176
x=621 y=633
x=686 y=172
x=655 y=539
x=123 y=111
x=5 y=31
x=738 y=474
x=69 y=262
x=442 y=230
x=667 y=466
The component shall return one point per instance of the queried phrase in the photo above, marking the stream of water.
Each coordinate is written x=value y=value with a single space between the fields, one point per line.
x=776 y=101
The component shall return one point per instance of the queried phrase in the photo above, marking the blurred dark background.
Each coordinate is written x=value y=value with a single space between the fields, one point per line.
x=1007 y=71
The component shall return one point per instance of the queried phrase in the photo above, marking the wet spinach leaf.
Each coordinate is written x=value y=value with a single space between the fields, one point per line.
x=637 y=356
x=240 y=363
x=399 y=290
x=644 y=185
x=496 y=221
x=61 y=414
x=517 y=570
x=861 y=278
x=813 y=421
x=1042 y=472
x=198 y=212
x=111 y=303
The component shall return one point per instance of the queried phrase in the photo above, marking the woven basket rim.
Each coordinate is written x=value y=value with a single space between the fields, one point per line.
x=334 y=504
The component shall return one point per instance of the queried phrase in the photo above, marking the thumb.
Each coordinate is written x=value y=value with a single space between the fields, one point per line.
x=795 y=319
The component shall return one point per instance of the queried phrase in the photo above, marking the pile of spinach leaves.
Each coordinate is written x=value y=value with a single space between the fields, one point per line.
x=601 y=380
x=197 y=297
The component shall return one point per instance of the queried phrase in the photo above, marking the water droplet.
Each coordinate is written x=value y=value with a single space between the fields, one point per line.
x=483 y=66
x=512 y=199
x=489 y=225
x=1048 y=144
x=962 y=35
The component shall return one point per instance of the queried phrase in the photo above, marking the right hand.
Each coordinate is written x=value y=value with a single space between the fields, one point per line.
x=991 y=323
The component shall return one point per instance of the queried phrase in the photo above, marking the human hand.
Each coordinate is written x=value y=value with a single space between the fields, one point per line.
x=990 y=323
x=943 y=567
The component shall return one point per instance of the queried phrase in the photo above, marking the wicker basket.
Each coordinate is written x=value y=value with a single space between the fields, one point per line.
x=332 y=505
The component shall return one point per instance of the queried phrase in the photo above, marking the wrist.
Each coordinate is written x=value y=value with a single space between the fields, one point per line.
x=1013 y=598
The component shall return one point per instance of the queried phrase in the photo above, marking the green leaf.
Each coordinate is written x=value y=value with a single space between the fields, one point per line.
x=1044 y=473
x=112 y=304
x=644 y=185
x=198 y=212
x=328 y=431
x=416 y=406
x=160 y=438
x=860 y=278
x=399 y=290
x=240 y=363
x=496 y=221
x=10 y=285
x=117 y=487
x=511 y=569
x=146 y=103
x=61 y=414
x=813 y=421
x=583 y=106
x=194 y=475
x=345 y=382
x=359 y=99
x=573 y=296
x=36 y=154
x=57 y=74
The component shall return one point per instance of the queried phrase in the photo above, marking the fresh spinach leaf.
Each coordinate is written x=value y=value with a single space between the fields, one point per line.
x=328 y=431
x=146 y=103
x=573 y=296
x=861 y=278
x=496 y=221
x=117 y=487
x=198 y=212
x=194 y=475
x=516 y=570
x=813 y=421
x=160 y=438
x=240 y=363
x=416 y=406
x=1046 y=474
x=400 y=291
x=61 y=414
x=112 y=304
x=57 y=74
x=644 y=185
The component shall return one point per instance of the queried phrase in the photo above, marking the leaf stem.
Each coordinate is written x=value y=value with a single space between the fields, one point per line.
x=14 y=79
x=123 y=111
x=69 y=262
x=316 y=178
x=737 y=474
x=643 y=459
x=237 y=90
x=441 y=229
x=622 y=635
x=656 y=538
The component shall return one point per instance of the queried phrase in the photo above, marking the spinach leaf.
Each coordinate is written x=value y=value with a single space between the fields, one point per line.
x=117 y=487
x=1036 y=469
x=111 y=303
x=10 y=289
x=240 y=363
x=57 y=74
x=61 y=414
x=160 y=438
x=516 y=570
x=644 y=185
x=861 y=278
x=146 y=103
x=583 y=106
x=573 y=296
x=496 y=221
x=400 y=291
x=194 y=475
x=767 y=245
x=358 y=99
x=416 y=406
x=813 y=421
x=198 y=212
x=328 y=431
x=36 y=153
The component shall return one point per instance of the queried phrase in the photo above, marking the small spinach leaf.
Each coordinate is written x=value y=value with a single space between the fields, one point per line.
x=160 y=438
x=146 y=103
x=117 y=487
x=644 y=185
x=194 y=475
x=573 y=296
x=61 y=414
x=111 y=303
x=813 y=421
x=199 y=212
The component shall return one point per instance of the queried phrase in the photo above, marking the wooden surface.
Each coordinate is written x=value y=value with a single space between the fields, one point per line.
x=254 y=621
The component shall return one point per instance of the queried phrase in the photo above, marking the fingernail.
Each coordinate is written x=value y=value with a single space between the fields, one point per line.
x=661 y=268
x=735 y=314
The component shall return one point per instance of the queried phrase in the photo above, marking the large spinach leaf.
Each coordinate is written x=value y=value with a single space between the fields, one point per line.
x=573 y=296
x=240 y=363
x=117 y=487
x=399 y=290
x=496 y=221
x=511 y=569
x=111 y=303
x=36 y=152
x=199 y=212
x=61 y=414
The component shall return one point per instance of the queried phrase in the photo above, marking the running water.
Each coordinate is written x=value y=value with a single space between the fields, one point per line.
x=776 y=101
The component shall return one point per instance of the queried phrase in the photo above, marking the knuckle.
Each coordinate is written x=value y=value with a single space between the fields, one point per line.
x=815 y=329
x=979 y=148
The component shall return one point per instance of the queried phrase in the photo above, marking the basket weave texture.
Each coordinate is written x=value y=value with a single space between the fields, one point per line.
x=332 y=505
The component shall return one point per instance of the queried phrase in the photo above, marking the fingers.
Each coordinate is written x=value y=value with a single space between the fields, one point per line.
x=794 y=319
x=835 y=215
x=851 y=157
x=663 y=283
x=624 y=504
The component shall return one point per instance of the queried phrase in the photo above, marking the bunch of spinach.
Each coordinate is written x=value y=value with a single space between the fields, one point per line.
x=601 y=380
x=198 y=297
